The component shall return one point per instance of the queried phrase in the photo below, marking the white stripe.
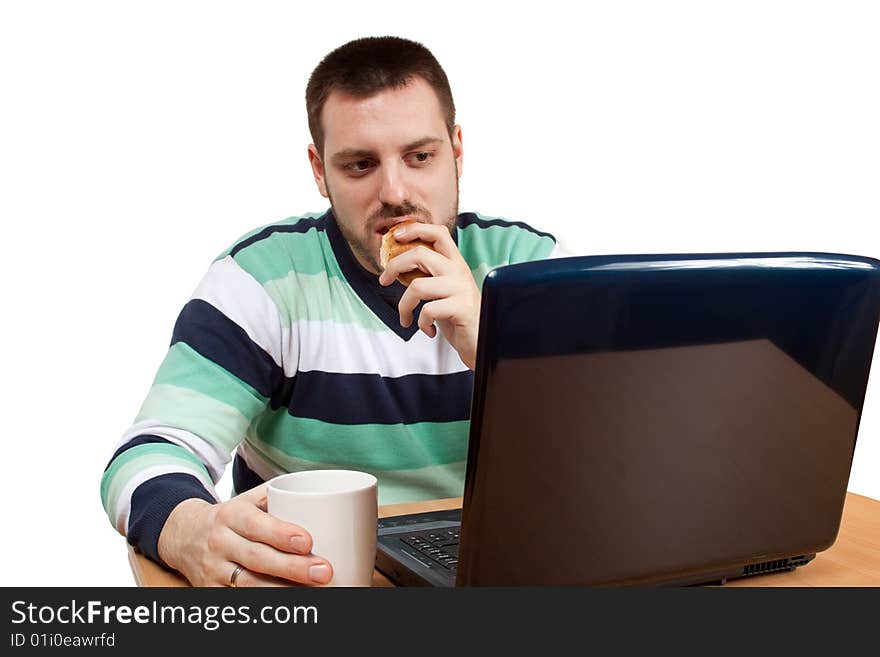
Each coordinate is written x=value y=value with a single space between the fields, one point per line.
x=329 y=346
x=213 y=456
x=123 y=504
x=238 y=295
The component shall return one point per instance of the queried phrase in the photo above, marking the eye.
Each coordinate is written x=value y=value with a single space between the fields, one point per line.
x=358 y=167
x=420 y=157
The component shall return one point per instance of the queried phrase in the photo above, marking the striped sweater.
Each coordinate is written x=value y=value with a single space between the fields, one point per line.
x=291 y=355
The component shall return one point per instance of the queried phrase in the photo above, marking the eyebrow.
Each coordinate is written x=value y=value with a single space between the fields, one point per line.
x=350 y=153
x=424 y=141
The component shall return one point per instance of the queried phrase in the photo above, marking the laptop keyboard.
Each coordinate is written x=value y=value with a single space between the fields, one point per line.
x=438 y=545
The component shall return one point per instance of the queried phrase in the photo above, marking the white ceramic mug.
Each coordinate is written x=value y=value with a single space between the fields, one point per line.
x=339 y=508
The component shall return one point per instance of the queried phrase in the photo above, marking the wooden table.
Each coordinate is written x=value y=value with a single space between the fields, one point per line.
x=853 y=560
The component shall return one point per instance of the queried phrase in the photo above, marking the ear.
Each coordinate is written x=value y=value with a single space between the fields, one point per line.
x=318 y=170
x=458 y=149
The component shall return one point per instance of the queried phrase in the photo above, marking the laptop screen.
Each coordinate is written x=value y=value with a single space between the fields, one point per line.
x=644 y=419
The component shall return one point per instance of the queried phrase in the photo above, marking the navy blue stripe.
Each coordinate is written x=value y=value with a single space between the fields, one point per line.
x=151 y=504
x=373 y=399
x=134 y=442
x=469 y=218
x=243 y=478
x=302 y=226
x=222 y=341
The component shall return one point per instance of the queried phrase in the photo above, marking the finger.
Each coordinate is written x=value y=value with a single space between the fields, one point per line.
x=422 y=289
x=262 y=558
x=256 y=525
x=442 y=309
x=421 y=257
x=437 y=235
x=247 y=578
x=426 y=323
x=410 y=260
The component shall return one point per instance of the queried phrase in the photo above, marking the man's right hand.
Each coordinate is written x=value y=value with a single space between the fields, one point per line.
x=205 y=542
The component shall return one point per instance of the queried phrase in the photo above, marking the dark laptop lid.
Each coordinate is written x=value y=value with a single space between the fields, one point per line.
x=648 y=419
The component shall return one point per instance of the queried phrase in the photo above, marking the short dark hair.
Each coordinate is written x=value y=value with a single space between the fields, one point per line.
x=366 y=66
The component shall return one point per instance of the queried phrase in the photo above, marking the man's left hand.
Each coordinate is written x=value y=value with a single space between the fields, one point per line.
x=452 y=296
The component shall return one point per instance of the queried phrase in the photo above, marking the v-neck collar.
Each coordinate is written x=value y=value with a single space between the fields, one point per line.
x=366 y=285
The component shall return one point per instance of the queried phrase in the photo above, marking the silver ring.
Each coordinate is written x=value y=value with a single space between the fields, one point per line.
x=234 y=576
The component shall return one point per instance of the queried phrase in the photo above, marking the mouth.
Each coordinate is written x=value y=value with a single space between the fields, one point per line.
x=387 y=224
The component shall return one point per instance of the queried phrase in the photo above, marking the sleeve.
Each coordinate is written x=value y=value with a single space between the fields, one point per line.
x=224 y=362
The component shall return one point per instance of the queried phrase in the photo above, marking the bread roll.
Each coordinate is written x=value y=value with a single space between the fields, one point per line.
x=392 y=248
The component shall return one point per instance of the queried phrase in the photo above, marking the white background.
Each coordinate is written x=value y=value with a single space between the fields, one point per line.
x=137 y=141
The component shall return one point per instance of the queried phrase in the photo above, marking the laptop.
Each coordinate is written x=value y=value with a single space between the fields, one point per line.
x=653 y=420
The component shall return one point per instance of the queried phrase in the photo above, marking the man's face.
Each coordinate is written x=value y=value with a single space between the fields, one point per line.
x=387 y=157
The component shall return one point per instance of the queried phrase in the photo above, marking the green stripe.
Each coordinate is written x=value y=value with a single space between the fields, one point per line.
x=382 y=446
x=513 y=226
x=200 y=414
x=300 y=273
x=285 y=222
x=184 y=367
x=405 y=485
x=310 y=253
x=280 y=253
x=134 y=460
x=501 y=245
x=318 y=297
x=430 y=483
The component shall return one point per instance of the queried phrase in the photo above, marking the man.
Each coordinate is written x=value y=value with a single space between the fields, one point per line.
x=299 y=351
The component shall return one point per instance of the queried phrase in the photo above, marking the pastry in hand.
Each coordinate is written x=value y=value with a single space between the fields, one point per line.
x=392 y=248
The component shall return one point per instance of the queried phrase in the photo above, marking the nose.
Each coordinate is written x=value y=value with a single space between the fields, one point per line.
x=393 y=189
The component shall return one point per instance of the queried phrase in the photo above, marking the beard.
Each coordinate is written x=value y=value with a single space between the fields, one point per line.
x=364 y=248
